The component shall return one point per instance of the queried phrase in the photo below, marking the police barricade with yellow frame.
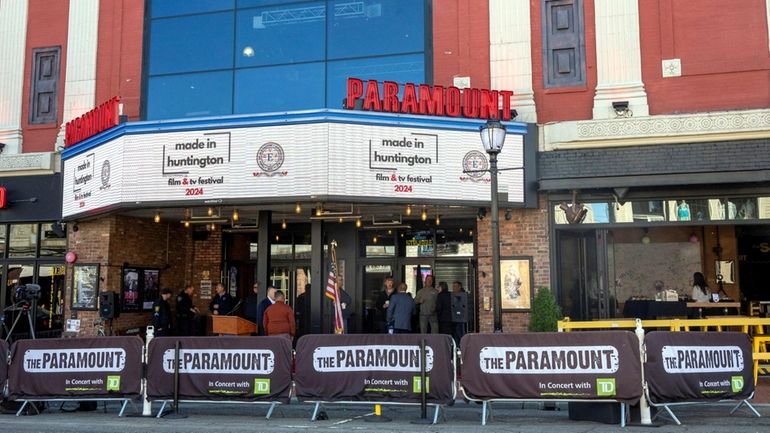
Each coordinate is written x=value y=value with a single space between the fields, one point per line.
x=697 y=368
x=82 y=369
x=375 y=369
x=220 y=370
x=601 y=366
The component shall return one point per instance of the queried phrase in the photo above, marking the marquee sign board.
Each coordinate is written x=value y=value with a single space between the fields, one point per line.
x=352 y=160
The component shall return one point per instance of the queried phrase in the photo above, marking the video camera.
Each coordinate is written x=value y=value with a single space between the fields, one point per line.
x=27 y=293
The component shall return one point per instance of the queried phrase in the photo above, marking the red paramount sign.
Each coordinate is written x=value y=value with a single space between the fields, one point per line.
x=429 y=100
x=92 y=122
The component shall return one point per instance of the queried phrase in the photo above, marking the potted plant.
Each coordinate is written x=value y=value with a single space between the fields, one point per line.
x=545 y=312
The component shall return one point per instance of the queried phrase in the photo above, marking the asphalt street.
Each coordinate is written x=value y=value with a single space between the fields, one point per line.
x=462 y=417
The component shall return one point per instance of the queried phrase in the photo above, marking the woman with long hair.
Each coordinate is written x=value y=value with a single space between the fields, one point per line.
x=700 y=290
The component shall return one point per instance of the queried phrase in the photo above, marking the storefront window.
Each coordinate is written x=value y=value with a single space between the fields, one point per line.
x=51 y=281
x=378 y=243
x=52 y=242
x=595 y=213
x=280 y=251
x=418 y=243
x=23 y=240
x=302 y=247
x=455 y=242
x=3 y=238
x=253 y=250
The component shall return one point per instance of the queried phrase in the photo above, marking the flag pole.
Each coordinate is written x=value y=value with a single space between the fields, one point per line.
x=339 y=324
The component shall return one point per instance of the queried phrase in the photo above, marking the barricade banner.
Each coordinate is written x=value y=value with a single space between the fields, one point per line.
x=601 y=365
x=370 y=367
x=221 y=368
x=686 y=366
x=106 y=367
x=3 y=362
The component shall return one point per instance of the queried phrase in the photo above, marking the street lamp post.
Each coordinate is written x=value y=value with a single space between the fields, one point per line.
x=493 y=138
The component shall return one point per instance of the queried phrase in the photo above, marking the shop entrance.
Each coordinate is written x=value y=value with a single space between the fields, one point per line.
x=583 y=275
x=291 y=278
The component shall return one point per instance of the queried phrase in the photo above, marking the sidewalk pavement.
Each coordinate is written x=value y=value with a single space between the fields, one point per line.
x=462 y=417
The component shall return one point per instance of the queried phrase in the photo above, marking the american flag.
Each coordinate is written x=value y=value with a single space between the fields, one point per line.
x=333 y=293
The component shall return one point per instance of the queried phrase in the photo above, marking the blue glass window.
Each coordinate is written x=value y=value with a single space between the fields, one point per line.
x=375 y=27
x=279 y=88
x=190 y=95
x=193 y=43
x=165 y=8
x=401 y=69
x=253 y=3
x=281 y=34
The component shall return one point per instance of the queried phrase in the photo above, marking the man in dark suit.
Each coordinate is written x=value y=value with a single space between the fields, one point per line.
x=222 y=303
x=267 y=302
x=400 y=310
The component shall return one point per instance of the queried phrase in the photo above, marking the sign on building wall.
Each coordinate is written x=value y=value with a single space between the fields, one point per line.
x=319 y=159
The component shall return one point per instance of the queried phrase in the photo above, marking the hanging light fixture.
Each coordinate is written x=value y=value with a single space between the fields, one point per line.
x=374 y=239
x=408 y=210
x=319 y=210
x=277 y=238
x=283 y=224
x=438 y=219
x=213 y=227
x=210 y=211
x=424 y=214
x=236 y=216
x=157 y=217
x=340 y=220
x=390 y=231
x=298 y=209
x=187 y=224
x=358 y=223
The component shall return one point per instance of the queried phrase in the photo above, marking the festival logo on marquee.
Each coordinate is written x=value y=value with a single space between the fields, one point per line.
x=105 y=174
x=475 y=165
x=270 y=158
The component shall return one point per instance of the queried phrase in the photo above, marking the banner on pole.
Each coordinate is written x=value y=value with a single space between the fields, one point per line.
x=687 y=366
x=77 y=368
x=368 y=367
x=221 y=368
x=601 y=365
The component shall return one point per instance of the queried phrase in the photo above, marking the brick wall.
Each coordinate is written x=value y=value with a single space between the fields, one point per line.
x=526 y=234
x=116 y=241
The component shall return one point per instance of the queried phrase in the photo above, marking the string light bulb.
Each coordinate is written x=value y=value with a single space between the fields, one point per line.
x=236 y=215
x=318 y=211
x=297 y=209
x=408 y=210
x=374 y=239
x=213 y=227
x=424 y=215
x=187 y=224
x=210 y=211
x=358 y=223
x=157 y=217
x=438 y=219
x=340 y=220
x=283 y=224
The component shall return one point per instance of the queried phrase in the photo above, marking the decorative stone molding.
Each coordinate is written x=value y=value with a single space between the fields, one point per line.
x=657 y=129
x=13 y=40
x=26 y=163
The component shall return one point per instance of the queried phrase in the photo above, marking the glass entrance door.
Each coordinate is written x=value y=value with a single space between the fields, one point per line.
x=584 y=292
x=413 y=274
x=465 y=273
x=374 y=284
x=291 y=279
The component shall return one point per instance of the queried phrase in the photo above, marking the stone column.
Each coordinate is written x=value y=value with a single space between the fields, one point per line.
x=618 y=59
x=510 y=54
x=13 y=41
x=80 y=84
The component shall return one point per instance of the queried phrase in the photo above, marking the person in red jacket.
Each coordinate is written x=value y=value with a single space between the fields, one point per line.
x=279 y=318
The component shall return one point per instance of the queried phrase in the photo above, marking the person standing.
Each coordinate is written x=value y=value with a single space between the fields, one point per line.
x=459 y=311
x=302 y=311
x=400 y=309
x=222 y=303
x=185 y=312
x=251 y=304
x=381 y=306
x=426 y=299
x=267 y=302
x=346 y=303
x=161 y=313
x=444 y=309
x=279 y=318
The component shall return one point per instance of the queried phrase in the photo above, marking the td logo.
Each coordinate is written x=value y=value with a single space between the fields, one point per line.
x=262 y=386
x=605 y=387
x=113 y=383
x=736 y=382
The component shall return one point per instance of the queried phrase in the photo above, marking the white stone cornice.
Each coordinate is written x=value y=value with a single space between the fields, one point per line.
x=82 y=38
x=27 y=163
x=510 y=54
x=13 y=40
x=679 y=128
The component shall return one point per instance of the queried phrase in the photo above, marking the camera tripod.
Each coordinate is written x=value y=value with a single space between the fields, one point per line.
x=25 y=312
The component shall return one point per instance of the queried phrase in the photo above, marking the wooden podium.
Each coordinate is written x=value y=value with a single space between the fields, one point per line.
x=232 y=325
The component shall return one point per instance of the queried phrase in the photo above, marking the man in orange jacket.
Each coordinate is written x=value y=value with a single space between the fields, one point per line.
x=279 y=318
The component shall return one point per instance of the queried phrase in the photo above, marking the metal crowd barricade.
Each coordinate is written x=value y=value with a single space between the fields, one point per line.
x=666 y=407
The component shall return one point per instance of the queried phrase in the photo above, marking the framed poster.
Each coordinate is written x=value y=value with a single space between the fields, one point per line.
x=85 y=287
x=150 y=287
x=131 y=295
x=516 y=283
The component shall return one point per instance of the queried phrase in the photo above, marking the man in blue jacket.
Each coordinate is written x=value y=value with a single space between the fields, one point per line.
x=400 y=310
